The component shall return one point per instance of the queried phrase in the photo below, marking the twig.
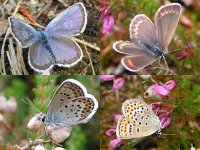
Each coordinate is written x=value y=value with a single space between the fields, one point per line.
x=63 y=3
x=91 y=64
x=4 y=3
x=87 y=44
x=21 y=59
x=47 y=6
x=4 y=41
x=32 y=143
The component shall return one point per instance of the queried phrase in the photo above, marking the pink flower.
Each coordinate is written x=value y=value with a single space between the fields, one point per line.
x=115 y=143
x=108 y=24
x=170 y=85
x=163 y=91
x=107 y=77
x=163 y=111
x=118 y=83
x=117 y=116
x=165 y=119
x=106 y=16
x=110 y=132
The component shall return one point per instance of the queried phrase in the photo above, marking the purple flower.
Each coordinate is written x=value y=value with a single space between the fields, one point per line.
x=118 y=83
x=115 y=143
x=107 y=77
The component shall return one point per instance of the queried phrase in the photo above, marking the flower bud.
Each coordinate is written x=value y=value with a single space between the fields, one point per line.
x=149 y=92
x=59 y=133
x=170 y=85
x=106 y=77
x=2 y=119
x=58 y=148
x=39 y=147
x=115 y=143
x=11 y=105
x=2 y=103
x=118 y=83
x=35 y=123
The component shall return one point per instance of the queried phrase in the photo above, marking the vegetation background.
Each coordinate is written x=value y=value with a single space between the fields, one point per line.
x=32 y=94
x=185 y=118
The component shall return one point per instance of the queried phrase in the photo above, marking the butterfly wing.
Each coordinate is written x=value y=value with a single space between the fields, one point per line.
x=142 y=29
x=137 y=62
x=38 y=57
x=71 y=104
x=22 y=32
x=66 y=51
x=129 y=48
x=166 y=20
x=138 y=120
x=128 y=130
x=70 y=22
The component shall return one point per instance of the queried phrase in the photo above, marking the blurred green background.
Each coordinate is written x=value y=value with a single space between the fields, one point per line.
x=27 y=90
x=185 y=124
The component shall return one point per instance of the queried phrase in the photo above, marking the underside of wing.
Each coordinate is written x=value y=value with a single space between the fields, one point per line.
x=166 y=20
x=127 y=47
x=142 y=29
x=129 y=130
x=135 y=63
x=71 y=104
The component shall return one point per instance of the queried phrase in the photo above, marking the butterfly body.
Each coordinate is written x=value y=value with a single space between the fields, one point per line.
x=154 y=50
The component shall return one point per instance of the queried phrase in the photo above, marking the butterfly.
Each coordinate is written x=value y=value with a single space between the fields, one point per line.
x=54 y=45
x=138 y=120
x=70 y=105
x=149 y=42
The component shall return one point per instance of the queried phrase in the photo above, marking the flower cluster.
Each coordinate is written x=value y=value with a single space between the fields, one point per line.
x=111 y=132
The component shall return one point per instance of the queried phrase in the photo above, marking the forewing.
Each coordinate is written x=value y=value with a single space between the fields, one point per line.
x=70 y=22
x=22 y=32
x=66 y=51
x=135 y=63
x=76 y=111
x=127 y=47
x=38 y=57
x=166 y=20
x=71 y=98
x=142 y=29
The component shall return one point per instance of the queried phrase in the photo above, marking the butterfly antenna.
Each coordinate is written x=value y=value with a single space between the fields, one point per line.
x=175 y=50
